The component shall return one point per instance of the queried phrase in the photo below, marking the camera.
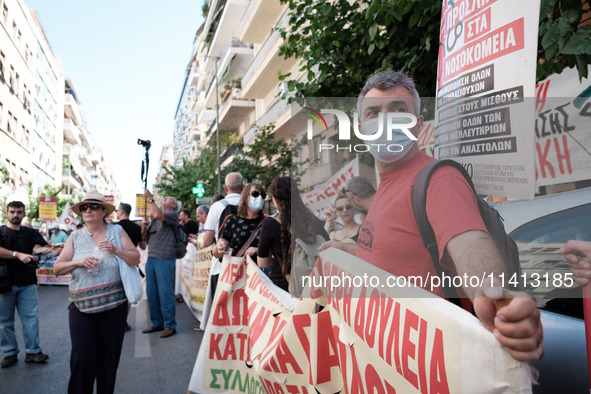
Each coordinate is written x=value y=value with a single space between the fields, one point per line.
x=145 y=143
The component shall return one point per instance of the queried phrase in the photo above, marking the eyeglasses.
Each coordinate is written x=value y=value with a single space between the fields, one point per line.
x=347 y=207
x=93 y=207
x=255 y=193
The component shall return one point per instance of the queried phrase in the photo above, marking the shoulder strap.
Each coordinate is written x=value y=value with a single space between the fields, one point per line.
x=419 y=207
x=305 y=248
x=246 y=245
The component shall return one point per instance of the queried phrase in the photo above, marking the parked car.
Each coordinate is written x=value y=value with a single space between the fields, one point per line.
x=540 y=227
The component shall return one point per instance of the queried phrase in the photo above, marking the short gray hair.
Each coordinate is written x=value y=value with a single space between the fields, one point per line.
x=234 y=182
x=361 y=187
x=203 y=209
x=388 y=80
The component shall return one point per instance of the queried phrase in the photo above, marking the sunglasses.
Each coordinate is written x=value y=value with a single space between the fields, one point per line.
x=347 y=207
x=255 y=193
x=93 y=207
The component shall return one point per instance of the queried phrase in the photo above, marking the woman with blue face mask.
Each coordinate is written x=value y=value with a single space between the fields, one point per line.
x=240 y=234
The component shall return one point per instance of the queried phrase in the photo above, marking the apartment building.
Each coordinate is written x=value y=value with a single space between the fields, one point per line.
x=31 y=103
x=43 y=135
x=232 y=80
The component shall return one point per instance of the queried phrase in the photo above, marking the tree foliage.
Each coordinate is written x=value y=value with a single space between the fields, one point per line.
x=264 y=158
x=340 y=44
x=563 y=40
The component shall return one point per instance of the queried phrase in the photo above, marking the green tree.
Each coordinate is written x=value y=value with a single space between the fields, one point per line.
x=264 y=158
x=340 y=44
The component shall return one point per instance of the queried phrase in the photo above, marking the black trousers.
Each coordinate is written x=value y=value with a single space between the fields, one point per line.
x=97 y=339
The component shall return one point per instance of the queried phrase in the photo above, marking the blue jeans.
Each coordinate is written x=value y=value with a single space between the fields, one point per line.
x=26 y=302
x=160 y=291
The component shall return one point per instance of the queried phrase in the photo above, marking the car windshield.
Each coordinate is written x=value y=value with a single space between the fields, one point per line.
x=545 y=270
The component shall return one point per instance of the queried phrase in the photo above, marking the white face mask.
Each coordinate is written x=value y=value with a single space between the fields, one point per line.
x=380 y=146
x=256 y=203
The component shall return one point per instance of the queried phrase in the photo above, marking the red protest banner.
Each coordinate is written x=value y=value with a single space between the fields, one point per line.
x=366 y=338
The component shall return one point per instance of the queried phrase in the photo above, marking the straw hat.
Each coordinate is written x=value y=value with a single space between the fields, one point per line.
x=94 y=197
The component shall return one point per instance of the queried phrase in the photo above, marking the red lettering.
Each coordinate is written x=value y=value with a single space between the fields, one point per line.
x=230 y=350
x=384 y=312
x=394 y=339
x=421 y=357
x=327 y=356
x=300 y=322
x=239 y=315
x=372 y=318
x=411 y=321
x=214 y=346
x=390 y=389
x=560 y=156
x=285 y=357
x=543 y=159
x=373 y=381
x=244 y=348
x=356 y=384
x=360 y=315
x=220 y=315
x=258 y=323
x=438 y=382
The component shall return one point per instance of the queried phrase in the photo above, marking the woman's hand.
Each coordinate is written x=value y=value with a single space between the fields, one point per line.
x=251 y=251
x=89 y=262
x=107 y=246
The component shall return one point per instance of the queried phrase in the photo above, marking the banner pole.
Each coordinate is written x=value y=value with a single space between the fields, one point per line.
x=587 y=317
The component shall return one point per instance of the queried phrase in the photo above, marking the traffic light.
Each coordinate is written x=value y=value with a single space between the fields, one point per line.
x=199 y=189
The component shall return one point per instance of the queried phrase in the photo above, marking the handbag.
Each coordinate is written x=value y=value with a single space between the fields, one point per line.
x=130 y=277
x=132 y=282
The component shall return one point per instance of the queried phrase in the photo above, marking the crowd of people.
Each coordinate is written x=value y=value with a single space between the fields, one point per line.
x=361 y=220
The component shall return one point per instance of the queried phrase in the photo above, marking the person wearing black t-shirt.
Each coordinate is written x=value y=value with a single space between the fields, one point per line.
x=132 y=229
x=237 y=231
x=18 y=286
x=190 y=227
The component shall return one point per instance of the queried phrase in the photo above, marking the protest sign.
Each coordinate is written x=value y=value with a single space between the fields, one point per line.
x=562 y=129
x=319 y=199
x=47 y=209
x=142 y=208
x=192 y=278
x=68 y=218
x=486 y=69
x=364 y=339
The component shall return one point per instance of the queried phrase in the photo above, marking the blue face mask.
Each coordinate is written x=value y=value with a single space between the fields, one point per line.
x=382 y=148
x=256 y=203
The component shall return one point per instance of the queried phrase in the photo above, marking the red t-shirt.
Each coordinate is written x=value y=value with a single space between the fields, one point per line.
x=390 y=239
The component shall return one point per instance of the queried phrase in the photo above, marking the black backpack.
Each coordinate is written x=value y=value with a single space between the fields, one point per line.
x=229 y=211
x=491 y=218
x=181 y=242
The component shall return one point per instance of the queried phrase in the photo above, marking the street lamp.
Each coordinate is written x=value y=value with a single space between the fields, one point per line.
x=217 y=122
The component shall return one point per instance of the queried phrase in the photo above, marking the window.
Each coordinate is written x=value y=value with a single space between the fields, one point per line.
x=2 y=66
x=5 y=14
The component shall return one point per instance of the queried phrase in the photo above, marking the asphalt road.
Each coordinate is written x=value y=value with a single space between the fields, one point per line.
x=149 y=364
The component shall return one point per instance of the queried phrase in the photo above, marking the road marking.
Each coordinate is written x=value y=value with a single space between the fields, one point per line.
x=142 y=341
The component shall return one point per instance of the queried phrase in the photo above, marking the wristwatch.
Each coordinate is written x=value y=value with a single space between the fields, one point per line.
x=151 y=200
x=14 y=254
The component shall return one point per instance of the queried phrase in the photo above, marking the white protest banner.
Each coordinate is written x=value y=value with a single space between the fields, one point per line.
x=563 y=129
x=366 y=339
x=319 y=199
x=486 y=69
x=68 y=218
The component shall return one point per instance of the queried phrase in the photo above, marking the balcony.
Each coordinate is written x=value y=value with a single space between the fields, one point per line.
x=71 y=132
x=72 y=109
x=231 y=67
x=261 y=77
x=228 y=25
x=234 y=110
x=260 y=19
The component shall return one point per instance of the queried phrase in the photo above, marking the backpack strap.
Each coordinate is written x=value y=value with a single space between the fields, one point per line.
x=306 y=248
x=248 y=242
x=419 y=207
x=225 y=203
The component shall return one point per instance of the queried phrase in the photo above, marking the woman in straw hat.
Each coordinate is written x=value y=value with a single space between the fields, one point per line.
x=98 y=307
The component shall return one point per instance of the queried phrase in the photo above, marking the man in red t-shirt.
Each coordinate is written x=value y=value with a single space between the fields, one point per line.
x=390 y=237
